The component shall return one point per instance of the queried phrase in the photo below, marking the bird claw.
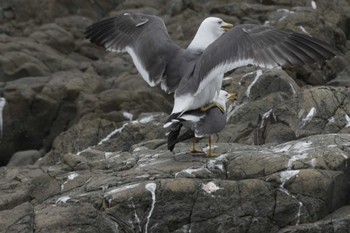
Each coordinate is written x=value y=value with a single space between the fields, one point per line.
x=195 y=151
x=213 y=154
x=212 y=105
x=232 y=96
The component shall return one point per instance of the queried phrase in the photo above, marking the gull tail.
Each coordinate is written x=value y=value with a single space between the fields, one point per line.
x=173 y=135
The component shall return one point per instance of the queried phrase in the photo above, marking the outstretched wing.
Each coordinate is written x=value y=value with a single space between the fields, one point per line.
x=144 y=37
x=263 y=46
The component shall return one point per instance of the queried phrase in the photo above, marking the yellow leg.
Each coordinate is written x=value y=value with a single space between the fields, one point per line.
x=212 y=105
x=209 y=142
x=210 y=154
x=193 y=149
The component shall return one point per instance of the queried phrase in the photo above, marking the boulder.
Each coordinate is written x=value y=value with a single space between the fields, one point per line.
x=39 y=108
x=22 y=158
x=25 y=57
x=272 y=108
x=106 y=135
x=72 y=218
x=53 y=9
x=54 y=36
x=315 y=111
x=258 y=92
x=337 y=221
x=20 y=185
x=18 y=219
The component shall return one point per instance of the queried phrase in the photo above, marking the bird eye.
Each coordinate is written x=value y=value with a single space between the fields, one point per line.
x=220 y=22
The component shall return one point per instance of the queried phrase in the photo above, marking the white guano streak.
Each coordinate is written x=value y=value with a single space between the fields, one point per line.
x=62 y=200
x=118 y=130
x=313 y=5
x=71 y=176
x=287 y=175
x=304 y=30
x=147 y=119
x=152 y=188
x=264 y=117
x=308 y=117
x=2 y=105
x=210 y=187
x=128 y=115
x=347 y=118
x=136 y=216
x=257 y=76
x=190 y=170
x=121 y=188
x=293 y=89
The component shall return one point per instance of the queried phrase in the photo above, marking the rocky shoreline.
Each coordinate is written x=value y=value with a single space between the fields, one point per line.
x=83 y=146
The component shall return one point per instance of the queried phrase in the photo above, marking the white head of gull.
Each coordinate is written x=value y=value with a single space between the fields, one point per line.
x=210 y=29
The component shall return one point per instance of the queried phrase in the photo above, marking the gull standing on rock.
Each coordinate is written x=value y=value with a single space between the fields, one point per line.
x=200 y=122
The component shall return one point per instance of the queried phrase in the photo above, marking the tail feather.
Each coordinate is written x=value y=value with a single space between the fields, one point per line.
x=173 y=137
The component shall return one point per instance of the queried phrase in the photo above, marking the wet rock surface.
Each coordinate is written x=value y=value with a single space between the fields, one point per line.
x=85 y=148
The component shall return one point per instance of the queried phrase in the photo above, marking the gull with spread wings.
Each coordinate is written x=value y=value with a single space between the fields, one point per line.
x=195 y=74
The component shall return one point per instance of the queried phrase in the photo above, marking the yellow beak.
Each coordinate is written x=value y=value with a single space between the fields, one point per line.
x=227 y=26
x=232 y=96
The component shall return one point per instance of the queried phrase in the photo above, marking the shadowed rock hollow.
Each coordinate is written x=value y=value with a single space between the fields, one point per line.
x=98 y=128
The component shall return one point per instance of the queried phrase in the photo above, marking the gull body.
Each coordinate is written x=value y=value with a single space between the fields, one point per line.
x=200 y=123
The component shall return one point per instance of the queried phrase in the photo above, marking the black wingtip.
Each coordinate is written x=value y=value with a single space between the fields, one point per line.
x=319 y=50
x=172 y=139
x=173 y=136
x=101 y=31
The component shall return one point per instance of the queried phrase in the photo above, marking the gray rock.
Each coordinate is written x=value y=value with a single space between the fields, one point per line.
x=20 y=185
x=40 y=108
x=339 y=66
x=23 y=57
x=337 y=222
x=18 y=219
x=106 y=136
x=71 y=218
x=315 y=111
x=271 y=108
x=258 y=92
x=51 y=9
x=54 y=36
x=22 y=158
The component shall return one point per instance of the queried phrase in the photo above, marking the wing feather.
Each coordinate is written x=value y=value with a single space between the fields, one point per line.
x=144 y=37
x=262 y=46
